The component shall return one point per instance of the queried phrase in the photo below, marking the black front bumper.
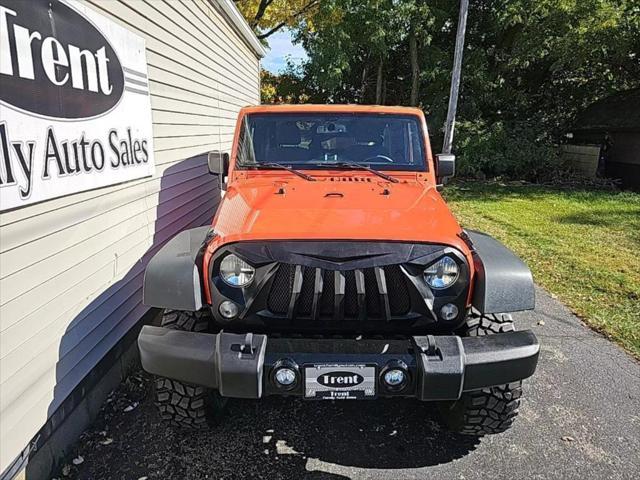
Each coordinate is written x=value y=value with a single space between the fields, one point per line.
x=241 y=366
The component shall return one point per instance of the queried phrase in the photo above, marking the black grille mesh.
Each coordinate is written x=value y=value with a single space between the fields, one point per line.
x=398 y=302
x=372 y=301
x=306 y=295
x=280 y=293
x=350 y=295
x=281 y=290
x=326 y=300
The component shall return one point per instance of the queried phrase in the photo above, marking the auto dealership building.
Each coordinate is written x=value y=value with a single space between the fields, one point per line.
x=107 y=112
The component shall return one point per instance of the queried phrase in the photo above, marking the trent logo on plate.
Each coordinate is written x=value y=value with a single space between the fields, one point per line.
x=340 y=379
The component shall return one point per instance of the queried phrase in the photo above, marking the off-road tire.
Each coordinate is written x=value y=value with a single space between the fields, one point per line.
x=186 y=321
x=490 y=410
x=180 y=403
x=480 y=325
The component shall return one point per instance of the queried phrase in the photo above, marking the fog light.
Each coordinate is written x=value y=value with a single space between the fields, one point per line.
x=394 y=377
x=285 y=377
x=285 y=374
x=228 y=309
x=449 y=312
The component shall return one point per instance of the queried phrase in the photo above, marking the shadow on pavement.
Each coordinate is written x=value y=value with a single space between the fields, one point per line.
x=274 y=438
x=294 y=439
x=382 y=434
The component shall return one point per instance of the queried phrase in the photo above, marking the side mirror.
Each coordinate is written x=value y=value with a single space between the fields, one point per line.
x=219 y=165
x=445 y=166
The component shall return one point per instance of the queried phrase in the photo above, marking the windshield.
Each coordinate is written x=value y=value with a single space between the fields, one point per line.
x=317 y=140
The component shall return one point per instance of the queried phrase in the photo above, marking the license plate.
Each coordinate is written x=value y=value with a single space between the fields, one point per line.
x=339 y=382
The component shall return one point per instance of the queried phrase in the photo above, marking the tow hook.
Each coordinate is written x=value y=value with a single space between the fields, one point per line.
x=246 y=349
x=441 y=367
x=239 y=363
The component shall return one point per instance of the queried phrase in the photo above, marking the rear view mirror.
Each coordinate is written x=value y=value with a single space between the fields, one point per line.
x=219 y=165
x=218 y=162
x=445 y=166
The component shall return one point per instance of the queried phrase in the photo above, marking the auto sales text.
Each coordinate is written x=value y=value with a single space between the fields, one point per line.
x=64 y=157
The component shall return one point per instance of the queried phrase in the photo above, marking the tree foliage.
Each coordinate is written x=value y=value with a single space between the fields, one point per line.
x=355 y=48
x=268 y=16
x=282 y=88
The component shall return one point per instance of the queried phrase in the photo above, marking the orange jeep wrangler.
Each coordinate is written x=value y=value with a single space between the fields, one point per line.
x=333 y=270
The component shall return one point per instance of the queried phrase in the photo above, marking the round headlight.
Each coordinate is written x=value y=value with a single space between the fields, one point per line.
x=236 y=272
x=442 y=274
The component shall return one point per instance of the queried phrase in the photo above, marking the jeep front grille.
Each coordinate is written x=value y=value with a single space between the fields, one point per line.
x=377 y=293
x=333 y=287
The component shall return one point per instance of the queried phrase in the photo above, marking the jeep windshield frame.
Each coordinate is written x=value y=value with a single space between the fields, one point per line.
x=318 y=140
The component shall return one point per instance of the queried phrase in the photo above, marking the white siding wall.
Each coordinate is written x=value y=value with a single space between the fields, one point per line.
x=71 y=268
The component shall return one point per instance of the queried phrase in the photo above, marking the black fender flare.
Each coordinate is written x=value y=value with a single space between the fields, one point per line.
x=173 y=277
x=503 y=281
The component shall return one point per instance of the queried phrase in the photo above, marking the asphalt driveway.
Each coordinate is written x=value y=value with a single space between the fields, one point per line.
x=580 y=419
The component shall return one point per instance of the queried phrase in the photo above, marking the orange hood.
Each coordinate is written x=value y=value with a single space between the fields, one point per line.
x=341 y=207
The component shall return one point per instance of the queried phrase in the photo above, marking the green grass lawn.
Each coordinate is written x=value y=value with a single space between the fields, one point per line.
x=583 y=246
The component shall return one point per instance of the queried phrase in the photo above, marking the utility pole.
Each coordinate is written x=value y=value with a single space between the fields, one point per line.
x=455 y=78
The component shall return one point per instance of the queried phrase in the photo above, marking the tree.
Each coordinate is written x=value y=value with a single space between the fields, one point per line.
x=546 y=60
x=285 y=87
x=536 y=61
x=266 y=17
x=358 y=49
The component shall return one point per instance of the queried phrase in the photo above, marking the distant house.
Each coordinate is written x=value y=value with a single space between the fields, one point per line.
x=613 y=124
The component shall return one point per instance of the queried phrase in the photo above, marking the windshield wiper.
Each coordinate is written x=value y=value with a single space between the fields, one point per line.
x=361 y=167
x=285 y=167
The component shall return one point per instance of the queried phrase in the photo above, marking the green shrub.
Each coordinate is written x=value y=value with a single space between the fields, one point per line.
x=515 y=152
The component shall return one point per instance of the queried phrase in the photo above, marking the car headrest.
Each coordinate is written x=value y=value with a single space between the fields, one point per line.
x=288 y=134
x=365 y=133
